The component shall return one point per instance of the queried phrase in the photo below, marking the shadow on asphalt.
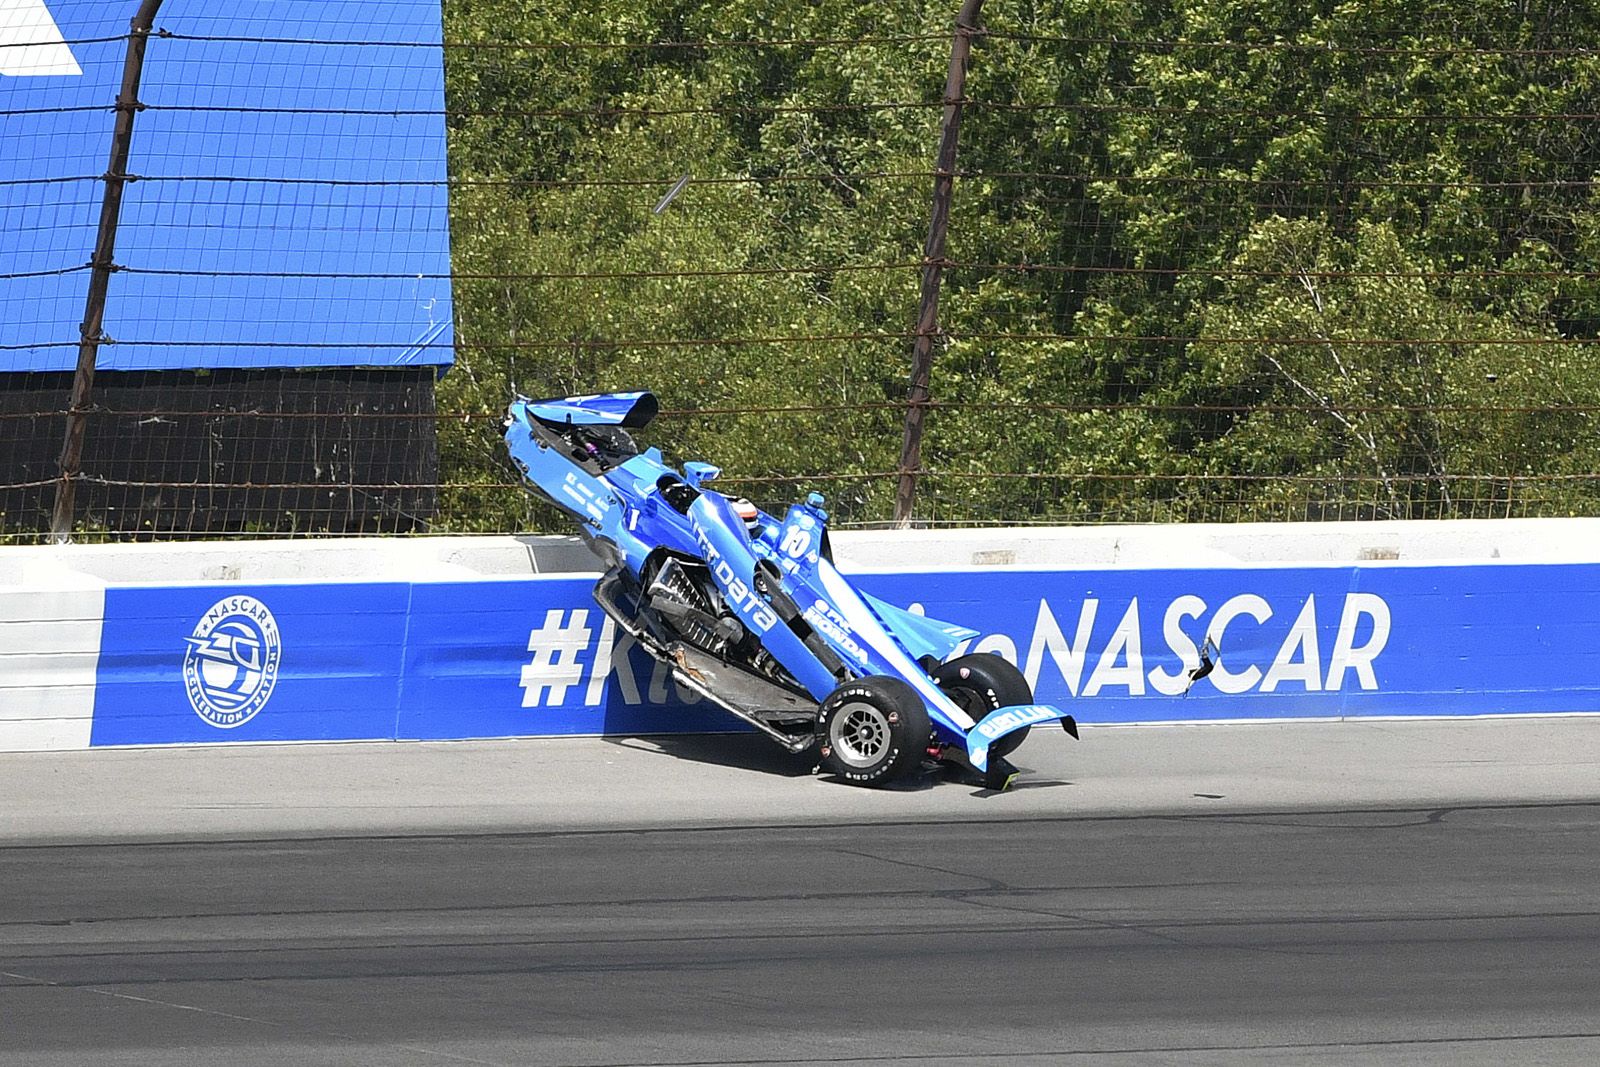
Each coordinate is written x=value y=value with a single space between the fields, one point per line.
x=750 y=752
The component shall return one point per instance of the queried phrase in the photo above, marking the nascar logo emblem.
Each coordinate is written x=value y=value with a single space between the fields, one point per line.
x=231 y=664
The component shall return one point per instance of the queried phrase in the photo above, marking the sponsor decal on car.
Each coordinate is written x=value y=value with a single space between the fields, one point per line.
x=832 y=625
x=1006 y=720
x=746 y=601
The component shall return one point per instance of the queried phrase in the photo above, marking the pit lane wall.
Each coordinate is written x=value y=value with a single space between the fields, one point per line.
x=495 y=637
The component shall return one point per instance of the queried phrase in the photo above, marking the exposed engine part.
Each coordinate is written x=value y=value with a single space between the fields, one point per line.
x=695 y=611
x=673 y=582
x=768 y=581
x=764 y=664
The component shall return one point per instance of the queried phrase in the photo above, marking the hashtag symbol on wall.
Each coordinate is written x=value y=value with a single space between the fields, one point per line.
x=555 y=667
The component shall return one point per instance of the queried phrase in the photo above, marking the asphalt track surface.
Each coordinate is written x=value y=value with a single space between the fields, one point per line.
x=1325 y=932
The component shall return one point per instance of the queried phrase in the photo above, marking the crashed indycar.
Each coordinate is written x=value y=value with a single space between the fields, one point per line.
x=749 y=612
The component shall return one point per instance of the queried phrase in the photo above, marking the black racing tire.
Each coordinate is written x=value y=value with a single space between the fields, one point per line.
x=873 y=730
x=983 y=682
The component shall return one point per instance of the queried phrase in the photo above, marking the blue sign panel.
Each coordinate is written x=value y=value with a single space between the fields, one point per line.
x=249 y=663
x=291 y=202
x=1291 y=642
x=537 y=657
x=533 y=657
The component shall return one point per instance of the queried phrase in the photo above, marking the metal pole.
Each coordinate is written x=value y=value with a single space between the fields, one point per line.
x=101 y=266
x=933 y=261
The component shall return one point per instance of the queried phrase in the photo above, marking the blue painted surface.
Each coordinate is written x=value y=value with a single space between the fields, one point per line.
x=1461 y=640
x=469 y=670
x=529 y=657
x=214 y=149
x=337 y=677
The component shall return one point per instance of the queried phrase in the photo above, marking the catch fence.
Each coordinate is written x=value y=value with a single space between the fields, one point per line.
x=1197 y=267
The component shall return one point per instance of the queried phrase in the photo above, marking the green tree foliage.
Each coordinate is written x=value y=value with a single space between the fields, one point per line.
x=1211 y=259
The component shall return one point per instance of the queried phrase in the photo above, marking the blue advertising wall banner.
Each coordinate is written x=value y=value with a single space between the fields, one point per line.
x=508 y=658
x=536 y=657
x=1294 y=641
x=290 y=207
x=250 y=663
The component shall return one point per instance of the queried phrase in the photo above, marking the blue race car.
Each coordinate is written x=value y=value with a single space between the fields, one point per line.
x=749 y=611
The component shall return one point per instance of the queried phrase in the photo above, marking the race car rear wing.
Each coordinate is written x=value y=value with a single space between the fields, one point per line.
x=630 y=410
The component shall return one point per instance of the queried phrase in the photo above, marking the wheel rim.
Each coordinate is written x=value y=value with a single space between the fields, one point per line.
x=860 y=734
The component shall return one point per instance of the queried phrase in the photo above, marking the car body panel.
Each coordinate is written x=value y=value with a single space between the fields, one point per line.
x=775 y=578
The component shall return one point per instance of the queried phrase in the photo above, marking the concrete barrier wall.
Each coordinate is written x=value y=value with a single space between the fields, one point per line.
x=49 y=652
x=486 y=637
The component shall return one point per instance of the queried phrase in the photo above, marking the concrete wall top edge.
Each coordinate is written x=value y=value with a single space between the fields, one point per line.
x=465 y=558
x=1205 y=545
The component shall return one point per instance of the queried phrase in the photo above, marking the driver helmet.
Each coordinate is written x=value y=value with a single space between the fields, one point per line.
x=750 y=514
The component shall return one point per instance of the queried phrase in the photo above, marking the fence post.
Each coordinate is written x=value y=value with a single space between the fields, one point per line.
x=933 y=261
x=101 y=266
